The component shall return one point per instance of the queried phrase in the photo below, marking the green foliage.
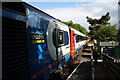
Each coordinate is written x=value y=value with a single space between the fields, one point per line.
x=102 y=21
x=118 y=34
x=77 y=27
x=106 y=33
x=69 y=23
x=101 y=29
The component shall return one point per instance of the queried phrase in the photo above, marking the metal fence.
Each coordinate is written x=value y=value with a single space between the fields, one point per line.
x=112 y=63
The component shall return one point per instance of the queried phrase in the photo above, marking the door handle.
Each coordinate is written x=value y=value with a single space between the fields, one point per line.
x=67 y=47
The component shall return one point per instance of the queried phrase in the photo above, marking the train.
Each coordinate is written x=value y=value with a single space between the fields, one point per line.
x=35 y=44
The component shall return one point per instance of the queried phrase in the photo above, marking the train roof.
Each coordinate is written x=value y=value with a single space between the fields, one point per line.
x=78 y=32
x=40 y=11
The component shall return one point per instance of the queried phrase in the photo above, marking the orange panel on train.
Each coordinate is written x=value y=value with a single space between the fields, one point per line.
x=72 y=43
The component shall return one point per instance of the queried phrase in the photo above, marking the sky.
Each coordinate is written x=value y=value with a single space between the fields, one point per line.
x=77 y=10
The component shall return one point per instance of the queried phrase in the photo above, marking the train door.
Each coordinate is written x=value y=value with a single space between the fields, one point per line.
x=58 y=41
x=63 y=42
x=72 y=43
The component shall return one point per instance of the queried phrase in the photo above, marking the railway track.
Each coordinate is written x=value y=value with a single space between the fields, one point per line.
x=74 y=71
x=84 y=63
x=83 y=71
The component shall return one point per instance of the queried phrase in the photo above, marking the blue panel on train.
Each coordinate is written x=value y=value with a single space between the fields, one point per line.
x=39 y=57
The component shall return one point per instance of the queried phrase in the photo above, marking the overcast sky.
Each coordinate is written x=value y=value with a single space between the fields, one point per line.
x=77 y=10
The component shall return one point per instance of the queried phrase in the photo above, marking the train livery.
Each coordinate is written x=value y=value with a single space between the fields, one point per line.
x=35 y=44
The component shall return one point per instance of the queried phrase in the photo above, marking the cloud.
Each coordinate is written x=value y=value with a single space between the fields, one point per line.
x=79 y=12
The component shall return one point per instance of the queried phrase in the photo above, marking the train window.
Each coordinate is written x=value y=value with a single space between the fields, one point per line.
x=60 y=39
x=66 y=38
x=54 y=35
x=81 y=37
x=77 y=38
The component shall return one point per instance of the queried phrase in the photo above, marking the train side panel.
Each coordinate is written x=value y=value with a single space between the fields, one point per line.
x=48 y=43
x=40 y=60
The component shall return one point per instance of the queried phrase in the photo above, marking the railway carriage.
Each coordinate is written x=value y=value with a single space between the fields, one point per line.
x=35 y=44
x=78 y=40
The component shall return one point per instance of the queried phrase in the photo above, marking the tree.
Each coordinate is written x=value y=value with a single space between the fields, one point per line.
x=106 y=33
x=101 y=29
x=102 y=21
x=118 y=35
x=77 y=27
x=69 y=23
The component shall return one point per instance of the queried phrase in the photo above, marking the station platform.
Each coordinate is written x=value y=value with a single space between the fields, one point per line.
x=89 y=71
x=102 y=72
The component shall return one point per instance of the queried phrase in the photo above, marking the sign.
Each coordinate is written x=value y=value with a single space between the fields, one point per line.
x=109 y=43
x=37 y=38
x=108 y=50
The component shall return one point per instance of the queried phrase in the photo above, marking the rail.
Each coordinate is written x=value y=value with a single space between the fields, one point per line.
x=112 y=63
x=74 y=70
